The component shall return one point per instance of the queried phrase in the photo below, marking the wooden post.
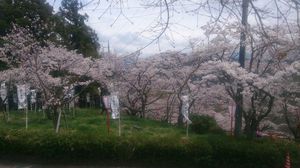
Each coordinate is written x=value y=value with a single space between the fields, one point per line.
x=108 y=121
x=187 y=129
x=231 y=125
x=73 y=111
x=58 y=121
x=7 y=110
x=44 y=113
x=119 y=124
x=26 y=118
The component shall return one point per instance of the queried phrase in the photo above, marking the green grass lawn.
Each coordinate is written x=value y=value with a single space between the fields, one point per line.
x=92 y=121
x=143 y=142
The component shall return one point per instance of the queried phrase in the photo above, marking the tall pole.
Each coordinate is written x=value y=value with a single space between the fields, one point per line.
x=120 y=124
x=187 y=129
x=108 y=48
x=7 y=110
x=242 y=53
x=58 y=120
x=26 y=118
x=108 y=120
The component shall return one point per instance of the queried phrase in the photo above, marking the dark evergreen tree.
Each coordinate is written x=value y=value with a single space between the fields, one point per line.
x=35 y=15
x=75 y=33
x=67 y=27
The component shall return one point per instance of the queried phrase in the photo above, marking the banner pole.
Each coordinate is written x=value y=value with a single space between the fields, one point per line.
x=187 y=130
x=26 y=118
x=7 y=109
x=108 y=121
x=119 y=124
x=231 y=123
x=73 y=109
x=43 y=110
x=58 y=120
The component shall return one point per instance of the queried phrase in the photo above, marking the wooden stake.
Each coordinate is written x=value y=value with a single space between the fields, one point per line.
x=187 y=130
x=108 y=121
x=7 y=110
x=58 y=121
x=26 y=118
x=119 y=124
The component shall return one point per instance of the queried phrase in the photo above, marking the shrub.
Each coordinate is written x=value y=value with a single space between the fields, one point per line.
x=204 y=124
x=235 y=153
x=156 y=151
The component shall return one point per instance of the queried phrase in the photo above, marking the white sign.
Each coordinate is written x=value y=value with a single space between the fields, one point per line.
x=3 y=92
x=32 y=96
x=88 y=97
x=99 y=90
x=72 y=104
x=231 y=109
x=22 y=97
x=69 y=92
x=185 y=108
x=114 y=104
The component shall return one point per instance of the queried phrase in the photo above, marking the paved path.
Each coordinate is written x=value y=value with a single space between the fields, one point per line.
x=28 y=165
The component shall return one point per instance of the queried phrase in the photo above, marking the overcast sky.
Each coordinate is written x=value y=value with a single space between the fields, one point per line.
x=133 y=29
x=132 y=25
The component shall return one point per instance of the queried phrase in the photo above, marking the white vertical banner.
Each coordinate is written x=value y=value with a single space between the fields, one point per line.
x=65 y=92
x=185 y=108
x=106 y=101
x=72 y=93
x=99 y=90
x=3 y=92
x=72 y=104
x=22 y=96
x=231 y=109
x=33 y=96
x=88 y=99
x=15 y=98
x=114 y=104
x=69 y=93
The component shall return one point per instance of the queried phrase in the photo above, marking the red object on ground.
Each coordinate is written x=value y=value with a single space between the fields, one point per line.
x=287 y=161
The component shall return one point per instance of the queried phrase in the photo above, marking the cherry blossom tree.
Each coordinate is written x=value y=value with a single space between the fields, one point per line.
x=140 y=87
x=286 y=88
x=48 y=68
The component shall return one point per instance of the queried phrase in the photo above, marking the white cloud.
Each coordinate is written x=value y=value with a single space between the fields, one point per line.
x=129 y=25
x=131 y=28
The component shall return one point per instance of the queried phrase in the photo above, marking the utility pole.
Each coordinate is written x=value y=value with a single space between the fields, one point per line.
x=242 y=53
x=108 y=48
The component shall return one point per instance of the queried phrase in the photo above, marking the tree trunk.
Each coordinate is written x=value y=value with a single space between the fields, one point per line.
x=180 y=116
x=295 y=130
x=238 y=112
x=143 y=106
x=242 y=53
x=251 y=128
